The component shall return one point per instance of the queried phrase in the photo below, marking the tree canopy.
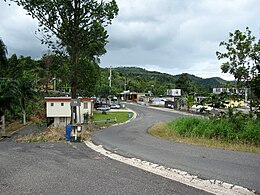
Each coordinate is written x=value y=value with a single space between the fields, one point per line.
x=3 y=53
x=242 y=59
x=185 y=84
x=75 y=27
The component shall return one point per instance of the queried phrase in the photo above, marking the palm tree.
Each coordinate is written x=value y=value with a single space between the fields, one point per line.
x=189 y=102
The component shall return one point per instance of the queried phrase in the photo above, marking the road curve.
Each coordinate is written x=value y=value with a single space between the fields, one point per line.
x=132 y=139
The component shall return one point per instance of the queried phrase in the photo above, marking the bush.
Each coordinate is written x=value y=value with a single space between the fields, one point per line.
x=238 y=128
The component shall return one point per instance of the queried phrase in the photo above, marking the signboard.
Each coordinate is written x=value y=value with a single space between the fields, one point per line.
x=75 y=102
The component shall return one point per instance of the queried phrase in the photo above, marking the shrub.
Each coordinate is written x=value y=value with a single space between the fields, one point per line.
x=235 y=128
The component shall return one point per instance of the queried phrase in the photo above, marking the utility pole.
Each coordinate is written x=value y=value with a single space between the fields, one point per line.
x=110 y=84
x=125 y=83
x=110 y=78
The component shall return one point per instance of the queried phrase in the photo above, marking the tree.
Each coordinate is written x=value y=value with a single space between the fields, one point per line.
x=78 y=27
x=89 y=77
x=241 y=59
x=24 y=91
x=185 y=84
x=7 y=97
x=189 y=102
x=3 y=53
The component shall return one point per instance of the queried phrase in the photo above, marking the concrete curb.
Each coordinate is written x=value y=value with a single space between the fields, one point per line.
x=211 y=186
x=131 y=119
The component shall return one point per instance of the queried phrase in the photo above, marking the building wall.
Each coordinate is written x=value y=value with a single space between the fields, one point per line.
x=61 y=121
x=60 y=110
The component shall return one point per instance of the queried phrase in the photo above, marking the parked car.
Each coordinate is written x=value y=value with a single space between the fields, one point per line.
x=103 y=108
x=114 y=106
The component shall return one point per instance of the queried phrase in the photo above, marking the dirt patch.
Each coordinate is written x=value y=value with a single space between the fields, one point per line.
x=54 y=134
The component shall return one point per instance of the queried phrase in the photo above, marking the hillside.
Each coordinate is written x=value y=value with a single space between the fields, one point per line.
x=141 y=80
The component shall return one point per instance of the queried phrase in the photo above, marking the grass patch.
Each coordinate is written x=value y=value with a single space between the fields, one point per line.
x=120 y=117
x=218 y=133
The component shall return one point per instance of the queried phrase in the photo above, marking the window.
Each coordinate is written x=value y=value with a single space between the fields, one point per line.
x=62 y=104
x=85 y=105
x=62 y=119
x=52 y=104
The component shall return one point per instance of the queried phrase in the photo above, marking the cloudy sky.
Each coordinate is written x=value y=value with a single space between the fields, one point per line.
x=171 y=36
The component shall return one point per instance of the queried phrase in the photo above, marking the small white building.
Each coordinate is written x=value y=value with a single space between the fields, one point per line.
x=58 y=110
x=174 y=92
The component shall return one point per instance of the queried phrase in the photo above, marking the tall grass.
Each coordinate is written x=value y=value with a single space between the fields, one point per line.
x=233 y=130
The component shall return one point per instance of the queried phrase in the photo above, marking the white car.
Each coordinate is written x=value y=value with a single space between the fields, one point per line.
x=103 y=108
x=114 y=106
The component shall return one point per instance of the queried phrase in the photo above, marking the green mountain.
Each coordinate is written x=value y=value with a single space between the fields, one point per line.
x=141 y=80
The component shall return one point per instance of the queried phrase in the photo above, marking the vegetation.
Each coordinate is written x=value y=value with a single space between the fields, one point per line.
x=75 y=28
x=242 y=59
x=140 y=80
x=232 y=130
x=185 y=84
x=238 y=132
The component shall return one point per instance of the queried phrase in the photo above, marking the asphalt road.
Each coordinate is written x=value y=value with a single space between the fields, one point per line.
x=132 y=140
x=73 y=168
x=62 y=168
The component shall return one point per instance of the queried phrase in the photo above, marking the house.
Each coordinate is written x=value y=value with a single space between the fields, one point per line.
x=58 y=110
x=131 y=96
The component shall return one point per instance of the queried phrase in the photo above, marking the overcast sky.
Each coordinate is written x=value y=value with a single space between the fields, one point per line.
x=171 y=36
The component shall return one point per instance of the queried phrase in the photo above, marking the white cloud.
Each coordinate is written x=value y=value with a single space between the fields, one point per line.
x=172 y=36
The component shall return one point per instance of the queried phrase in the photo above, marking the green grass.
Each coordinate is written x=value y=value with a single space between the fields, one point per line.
x=242 y=134
x=119 y=116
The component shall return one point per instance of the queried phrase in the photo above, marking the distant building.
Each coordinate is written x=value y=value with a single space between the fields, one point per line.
x=174 y=92
x=58 y=110
x=231 y=91
x=131 y=96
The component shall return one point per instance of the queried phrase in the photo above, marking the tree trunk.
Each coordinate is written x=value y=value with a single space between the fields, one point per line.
x=74 y=84
x=24 y=117
x=74 y=59
x=3 y=124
